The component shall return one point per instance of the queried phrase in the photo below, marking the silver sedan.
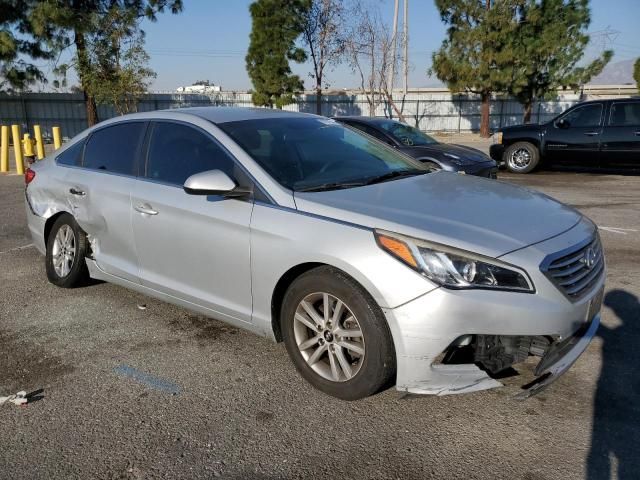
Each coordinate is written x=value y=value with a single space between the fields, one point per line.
x=370 y=268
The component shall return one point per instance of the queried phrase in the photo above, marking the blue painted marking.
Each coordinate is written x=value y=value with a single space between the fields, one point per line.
x=149 y=380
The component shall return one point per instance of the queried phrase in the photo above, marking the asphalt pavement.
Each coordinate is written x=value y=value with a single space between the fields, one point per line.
x=136 y=388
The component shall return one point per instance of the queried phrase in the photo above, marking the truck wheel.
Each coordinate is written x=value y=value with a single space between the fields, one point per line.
x=522 y=157
x=336 y=335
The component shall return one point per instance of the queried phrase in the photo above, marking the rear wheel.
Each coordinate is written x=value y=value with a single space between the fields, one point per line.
x=66 y=250
x=522 y=157
x=336 y=335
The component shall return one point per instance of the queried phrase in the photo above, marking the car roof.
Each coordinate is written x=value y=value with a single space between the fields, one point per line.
x=367 y=120
x=234 y=114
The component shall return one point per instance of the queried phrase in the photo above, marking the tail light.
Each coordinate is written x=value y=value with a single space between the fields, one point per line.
x=29 y=175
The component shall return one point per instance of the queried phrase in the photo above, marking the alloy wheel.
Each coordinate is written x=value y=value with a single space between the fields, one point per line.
x=520 y=159
x=329 y=337
x=64 y=251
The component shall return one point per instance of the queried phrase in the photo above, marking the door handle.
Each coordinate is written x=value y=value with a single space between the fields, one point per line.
x=592 y=134
x=637 y=134
x=146 y=209
x=76 y=191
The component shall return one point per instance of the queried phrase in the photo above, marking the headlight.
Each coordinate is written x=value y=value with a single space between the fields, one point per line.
x=454 y=268
x=497 y=137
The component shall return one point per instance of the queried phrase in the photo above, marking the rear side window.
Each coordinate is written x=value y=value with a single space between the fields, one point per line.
x=625 y=114
x=72 y=155
x=115 y=149
x=178 y=151
x=586 y=116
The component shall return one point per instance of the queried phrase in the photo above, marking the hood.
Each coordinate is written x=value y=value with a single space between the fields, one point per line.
x=520 y=128
x=446 y=151
x=488 y=217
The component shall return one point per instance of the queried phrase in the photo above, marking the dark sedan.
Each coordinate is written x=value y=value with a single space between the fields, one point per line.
x=601 y=133
x=419 y=145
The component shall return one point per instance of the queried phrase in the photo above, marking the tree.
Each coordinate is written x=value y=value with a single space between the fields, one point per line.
x=370 y=53
x=636 y=73
x=549 y=43
x=323 y=36
x=77 y=20
x=276 y=24
x=476 y=56
x=116 y=50
x=17 y=41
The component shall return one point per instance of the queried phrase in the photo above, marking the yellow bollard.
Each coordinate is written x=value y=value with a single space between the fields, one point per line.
x=37 y=133
x=17 y=149
x=4 y=149
x=57 y=141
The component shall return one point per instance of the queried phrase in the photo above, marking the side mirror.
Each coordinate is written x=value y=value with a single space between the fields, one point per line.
x=213 y=182
x=562 y=123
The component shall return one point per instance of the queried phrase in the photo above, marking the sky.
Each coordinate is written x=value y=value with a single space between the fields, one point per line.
x=209 y=40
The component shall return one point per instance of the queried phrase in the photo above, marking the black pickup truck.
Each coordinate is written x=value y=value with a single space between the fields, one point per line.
x=601 y=133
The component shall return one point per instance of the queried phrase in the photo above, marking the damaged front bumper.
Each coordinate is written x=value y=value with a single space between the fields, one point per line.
x=498 y=329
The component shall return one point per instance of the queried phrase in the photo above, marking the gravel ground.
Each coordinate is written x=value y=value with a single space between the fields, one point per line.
x=163 y=393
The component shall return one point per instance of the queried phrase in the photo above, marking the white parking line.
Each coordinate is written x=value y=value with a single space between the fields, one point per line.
x=621 y=231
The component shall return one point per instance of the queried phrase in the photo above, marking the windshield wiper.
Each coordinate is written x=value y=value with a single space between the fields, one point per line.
x=393 y=175
x=332 y=186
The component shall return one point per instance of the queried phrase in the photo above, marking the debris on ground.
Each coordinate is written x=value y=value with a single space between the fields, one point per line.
x=19 y=399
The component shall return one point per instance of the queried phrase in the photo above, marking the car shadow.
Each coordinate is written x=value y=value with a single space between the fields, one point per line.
x=615 y=441
x=625 y=171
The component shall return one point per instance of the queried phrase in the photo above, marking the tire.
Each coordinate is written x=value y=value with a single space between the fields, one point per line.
x=521 y=157
x=350 y=367
x=433 y=166
x=67 y=235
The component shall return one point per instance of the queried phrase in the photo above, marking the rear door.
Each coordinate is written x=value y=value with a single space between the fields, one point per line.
x=193 y=247
x=100 y=192
x=574 y=139
x=621 y=136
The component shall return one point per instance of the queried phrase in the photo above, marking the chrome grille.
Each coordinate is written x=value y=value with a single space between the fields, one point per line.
x=575 y=272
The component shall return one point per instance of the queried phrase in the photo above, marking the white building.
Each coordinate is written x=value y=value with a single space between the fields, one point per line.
x=202 y=89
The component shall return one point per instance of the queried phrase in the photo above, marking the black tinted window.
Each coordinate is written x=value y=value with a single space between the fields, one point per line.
x=370 y=131
x=178 y=151
x=115 y=149
x=586 y=116
x=625 y=114
x=72 y=155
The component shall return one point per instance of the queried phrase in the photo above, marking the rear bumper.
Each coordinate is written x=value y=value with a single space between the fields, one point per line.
x=496 y=151
x=486 y=170
x=36 y=224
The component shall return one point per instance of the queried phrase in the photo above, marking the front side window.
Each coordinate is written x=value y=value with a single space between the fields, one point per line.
x=315 y=153
x=405 y=134
x=625 y=114
x=115 y=148
x=72 y=155
x=586 y=116
x=178 y=151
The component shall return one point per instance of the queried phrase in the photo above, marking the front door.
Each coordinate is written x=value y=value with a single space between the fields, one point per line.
x=621 y=136
x=193 y=247
x=574 y=139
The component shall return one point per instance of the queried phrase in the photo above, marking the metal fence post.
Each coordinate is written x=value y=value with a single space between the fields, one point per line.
x=501 y=111
x=459 y=115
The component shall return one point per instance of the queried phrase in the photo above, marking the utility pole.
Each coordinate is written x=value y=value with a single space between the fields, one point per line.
x=392 y=74
x=406 y=45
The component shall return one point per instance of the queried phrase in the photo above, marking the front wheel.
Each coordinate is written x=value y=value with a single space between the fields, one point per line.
x=522 y=157
x=336 y=335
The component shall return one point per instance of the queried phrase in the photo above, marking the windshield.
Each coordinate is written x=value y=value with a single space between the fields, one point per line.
x=318 y=154
x=405 y=134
